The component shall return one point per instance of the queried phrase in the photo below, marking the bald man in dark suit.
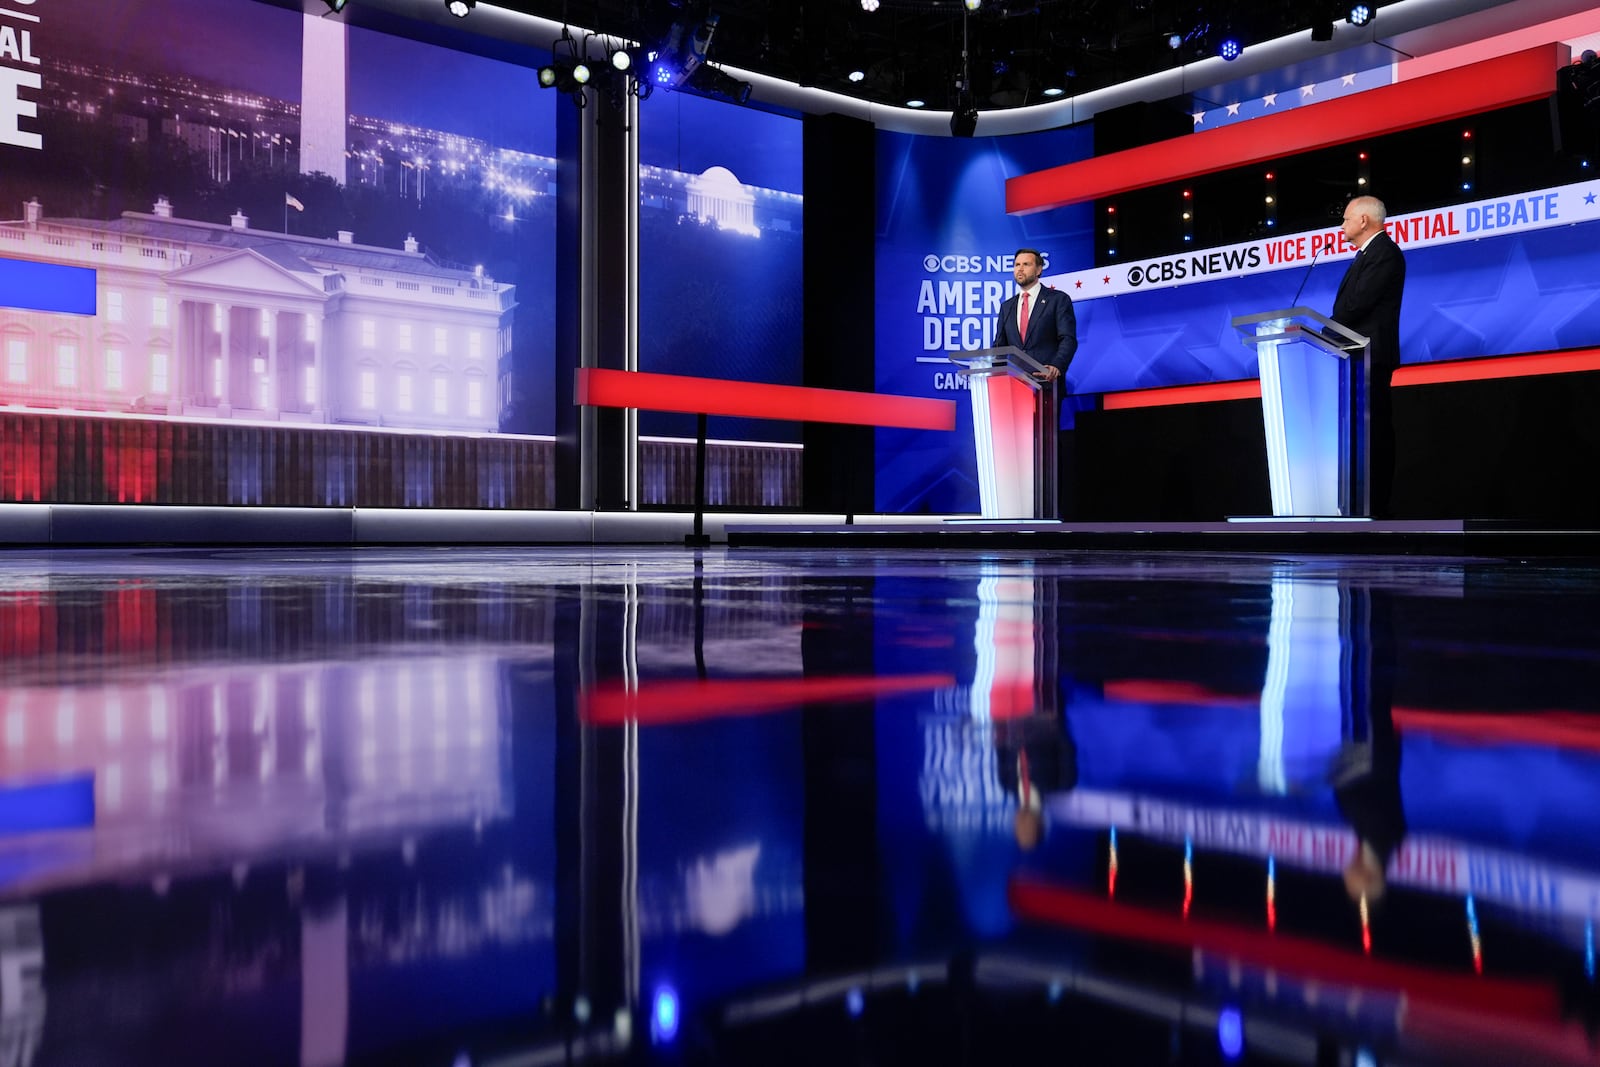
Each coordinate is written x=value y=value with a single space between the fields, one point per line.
x=1368 y=302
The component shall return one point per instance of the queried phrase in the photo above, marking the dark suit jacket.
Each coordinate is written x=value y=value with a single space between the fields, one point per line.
x=1052 y=328
x=1369 y=300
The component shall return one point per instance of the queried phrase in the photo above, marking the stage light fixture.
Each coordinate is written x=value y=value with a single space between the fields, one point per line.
x=460 y=8
x=569 y=74
x=1175 y=41
x=916 y=102
x=1322 y=30
x=661 y=73
x=858 y=75
x=621 y=60
x=335 y=6
x=1054 y=90
x=1229 y=49
x=1360 y=14
x=717 y=82
x=964 y=119
x=973 y=5
x=869 y=5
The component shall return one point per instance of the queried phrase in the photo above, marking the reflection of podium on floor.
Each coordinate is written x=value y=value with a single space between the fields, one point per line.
x=1314 y=391
x=1014 y=426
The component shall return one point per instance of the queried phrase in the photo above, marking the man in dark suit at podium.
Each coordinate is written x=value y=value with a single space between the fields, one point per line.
x=1038 y=320
x=1368 y=302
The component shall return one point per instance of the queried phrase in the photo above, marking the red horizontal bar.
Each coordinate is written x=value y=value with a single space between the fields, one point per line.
x=1451 y=94
x=693 y=699
x=1549 y=729
x=1172 y=691
x=1210 y=392
x=1477 y=370
x=598 y=387
x=1076 y=909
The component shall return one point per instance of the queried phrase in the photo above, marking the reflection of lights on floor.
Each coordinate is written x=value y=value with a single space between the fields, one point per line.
x=1188 y=875
x=664 y=1015
x=1230 y=1033
x=1472 y=934
x=1272 y=893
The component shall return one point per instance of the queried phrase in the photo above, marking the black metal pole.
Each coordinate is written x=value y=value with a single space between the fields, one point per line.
x=698 y=539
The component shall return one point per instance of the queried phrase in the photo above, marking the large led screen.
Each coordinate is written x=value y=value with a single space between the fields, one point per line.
x=286 y=225
x=720 y=224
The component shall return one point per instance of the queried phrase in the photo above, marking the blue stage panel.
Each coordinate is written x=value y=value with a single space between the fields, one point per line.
x=46 y=287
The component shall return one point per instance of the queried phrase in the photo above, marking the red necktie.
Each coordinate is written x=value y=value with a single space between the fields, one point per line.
x=1022 y=320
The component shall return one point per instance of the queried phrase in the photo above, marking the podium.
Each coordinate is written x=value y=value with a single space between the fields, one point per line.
x=1315 y=376
x=1014 y=427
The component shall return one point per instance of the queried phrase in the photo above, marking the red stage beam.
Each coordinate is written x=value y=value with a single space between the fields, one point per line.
x=1452 y=94
x=1482 y=368
x=753 y=400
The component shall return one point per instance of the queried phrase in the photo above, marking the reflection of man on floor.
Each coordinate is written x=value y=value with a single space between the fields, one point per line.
x=1366 y=773
x=1367 y=790
x=1034 y=755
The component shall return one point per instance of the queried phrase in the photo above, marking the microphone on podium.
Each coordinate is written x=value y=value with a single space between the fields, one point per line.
x=1315 y=252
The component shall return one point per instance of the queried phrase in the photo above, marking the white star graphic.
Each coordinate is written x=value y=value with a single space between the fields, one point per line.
x=1270 y=100
x=1199 y=117
x=1233 y=109
x=1348 y=79
x=1307 y=90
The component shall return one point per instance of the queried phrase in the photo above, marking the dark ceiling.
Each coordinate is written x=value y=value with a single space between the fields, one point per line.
x=913 y=48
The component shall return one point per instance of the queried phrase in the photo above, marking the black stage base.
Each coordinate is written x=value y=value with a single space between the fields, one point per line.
x=1437 y=537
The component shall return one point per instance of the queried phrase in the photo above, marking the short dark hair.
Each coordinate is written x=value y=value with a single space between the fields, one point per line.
x=1034 y=252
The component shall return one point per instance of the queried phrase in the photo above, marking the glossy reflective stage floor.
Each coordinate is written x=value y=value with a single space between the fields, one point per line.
x=521 y=807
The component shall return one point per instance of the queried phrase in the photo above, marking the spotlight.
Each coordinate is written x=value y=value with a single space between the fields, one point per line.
x=915 y=102
x=858 y=75
x=1175 y=41
x=1229 y=49
x=567 y=73
x=869 y=5
x=1054 y=91
x=621 y=60
x=460 y=8
x=718 y=82
x=335 y=6
x=964 y=119
x=1360 y=14
x=661 y=68
x=973 y=5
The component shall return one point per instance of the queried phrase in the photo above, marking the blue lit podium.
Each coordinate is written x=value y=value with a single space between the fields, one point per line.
x=1014 y=427
x=1314 y=382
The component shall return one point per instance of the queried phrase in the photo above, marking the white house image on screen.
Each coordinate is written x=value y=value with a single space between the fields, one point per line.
x=210 y=321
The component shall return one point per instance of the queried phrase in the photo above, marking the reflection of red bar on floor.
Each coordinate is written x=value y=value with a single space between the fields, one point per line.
x=1555 y=729
x=689 y=700
x=1172 y=691
x=755 y=400
x=1092 y=912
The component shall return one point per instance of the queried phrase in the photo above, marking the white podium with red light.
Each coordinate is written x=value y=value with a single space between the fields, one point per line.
x=1014 y=430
